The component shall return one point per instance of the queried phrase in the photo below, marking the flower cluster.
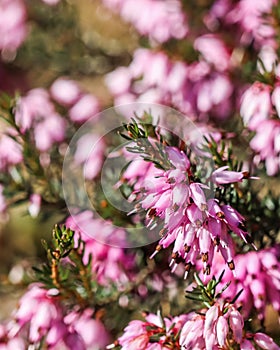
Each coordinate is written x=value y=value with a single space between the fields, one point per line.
x=204 y=86
x=13 y=29
x=194 y=89
x=103 y=241
x=219 y=327
x=82 y=106
x=34 y=130
x=260 y=112
x=89 y=154
x=257 y=275
x=36 y=111
x=154 y=333
x=197 y=225
x=160 y=20
x=248 y=19
x=10 y=150
x=41 y=317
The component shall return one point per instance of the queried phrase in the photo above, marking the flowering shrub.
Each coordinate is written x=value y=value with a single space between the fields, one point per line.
x=167 y=200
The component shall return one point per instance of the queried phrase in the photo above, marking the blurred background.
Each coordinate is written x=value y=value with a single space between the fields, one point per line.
x=82 y=40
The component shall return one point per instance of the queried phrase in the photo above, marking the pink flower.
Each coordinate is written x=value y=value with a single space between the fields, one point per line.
x=236 y=324
x=198 y=195
x=160 y=20
x=136 y=172
x=65 y=91
x=109 y=262
x=222 y=330
x=250 y=17
x=90 y=154
x=250 y=23
x=213 y=91
x=138 y=334
x=275 y=98
x=211 y=317
x=196 y=226
x=119 y=81
x=256 y=104
x=257 y=274
x=222 y=176
x=214 y=51
x=10 y=344
x=259 y=103
x=74 y=341
x=221 y=324
x=266 y=145
x=135 y=336
x=246 y=345
x=194 y=89
x=51 y=2
x=35 y=205
x=3 y=205
x=42 y=312
x=49 y=131
x=191 y=336
x=35 y=110
x=42 y=319
x=86 y=107
x=10 y=152
x=31 y=107
x=268 y=58
x=261 y=340
x=91 y=331
x=13 y=28
x=68 y=93
x=265 y=342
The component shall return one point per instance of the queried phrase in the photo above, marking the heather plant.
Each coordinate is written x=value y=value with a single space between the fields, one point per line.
x=162 y=201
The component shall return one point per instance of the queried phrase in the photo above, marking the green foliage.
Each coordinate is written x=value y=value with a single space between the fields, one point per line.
x=142 y=133
x=207 y=294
